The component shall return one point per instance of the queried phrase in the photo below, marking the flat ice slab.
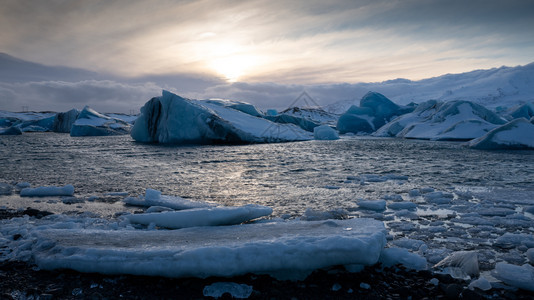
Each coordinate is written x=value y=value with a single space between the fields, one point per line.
x=263 y=248
x=44 y=191
x=213 y=216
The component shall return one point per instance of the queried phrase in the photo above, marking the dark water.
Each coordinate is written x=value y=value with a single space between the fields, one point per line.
x=289 y=177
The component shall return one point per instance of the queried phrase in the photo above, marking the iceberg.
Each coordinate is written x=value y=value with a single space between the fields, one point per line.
x=213 y=216
x=285 y=249
x=325 y=132
x=375 y=110
x=517 y=134
x=92 y=123
x=523 y=111
x=455 y=120
x=12 y=130
x=63 y=121
x=303 y=123
x=173 y=119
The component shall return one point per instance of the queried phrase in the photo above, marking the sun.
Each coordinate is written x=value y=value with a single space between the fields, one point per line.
x=233 y=67
x=233 y=61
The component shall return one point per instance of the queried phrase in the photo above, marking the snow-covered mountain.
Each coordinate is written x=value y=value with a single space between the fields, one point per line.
x=504 y=86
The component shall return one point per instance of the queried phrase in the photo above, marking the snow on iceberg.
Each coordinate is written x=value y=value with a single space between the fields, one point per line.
x=374 y=111
x=518 y=276
x=155 y=198
x=238 y=105
x=92 y=123
x=213 y=216
x=287 y=249
x=45 y=191
x=454 y=120
x=517 y=134
x=173 y=119
x=325 y=132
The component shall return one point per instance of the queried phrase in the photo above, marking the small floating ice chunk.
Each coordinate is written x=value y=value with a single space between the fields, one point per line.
x=116 y=194
x=480 y=283
x=402 y=205
x=45 y=191
x=393 y=256
x=414 y=193
x=376 y=205
x=530 y=255
x=22 y=185
x=510 y=240
x=518 y=276
x=215 y=216
x=72 y=200
x=155 y=198
x=218 y=289
x=317 y=215
x=332 y=187
x=466 y=261
x=407 y=243
x=325 y=132
x=5 y=188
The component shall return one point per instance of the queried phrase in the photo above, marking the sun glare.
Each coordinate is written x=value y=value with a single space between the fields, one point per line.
x=232 y=61
x=233 y=67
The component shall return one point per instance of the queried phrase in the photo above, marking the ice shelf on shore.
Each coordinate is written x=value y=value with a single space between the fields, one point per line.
x=173 y=119
x=287 y=249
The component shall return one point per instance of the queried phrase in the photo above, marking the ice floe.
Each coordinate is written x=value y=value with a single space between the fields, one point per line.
x=43 y=191
x=325 y=132
x=285 y=249
x=518 y=276
x=213 y=216
x=155 y=198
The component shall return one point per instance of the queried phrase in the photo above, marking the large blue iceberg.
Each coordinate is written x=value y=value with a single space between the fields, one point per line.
x=374 y=111
x=176 y=120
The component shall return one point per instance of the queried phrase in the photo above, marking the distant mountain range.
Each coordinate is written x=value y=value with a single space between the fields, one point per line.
x=504 y=86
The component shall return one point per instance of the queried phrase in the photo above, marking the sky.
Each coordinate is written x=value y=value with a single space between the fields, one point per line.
x=196 y=46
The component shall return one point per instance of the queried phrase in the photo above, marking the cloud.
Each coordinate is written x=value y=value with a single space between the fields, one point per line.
x=279 y=41
x=104 y=96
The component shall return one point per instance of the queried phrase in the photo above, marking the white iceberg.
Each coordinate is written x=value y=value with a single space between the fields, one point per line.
x=454 y=120
x=45 y=191
x=92 y=123
x=517 y=134
x=173 y=119
x=325 y=132
x=155 y=198
x=213 y=216
x=287 y=249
